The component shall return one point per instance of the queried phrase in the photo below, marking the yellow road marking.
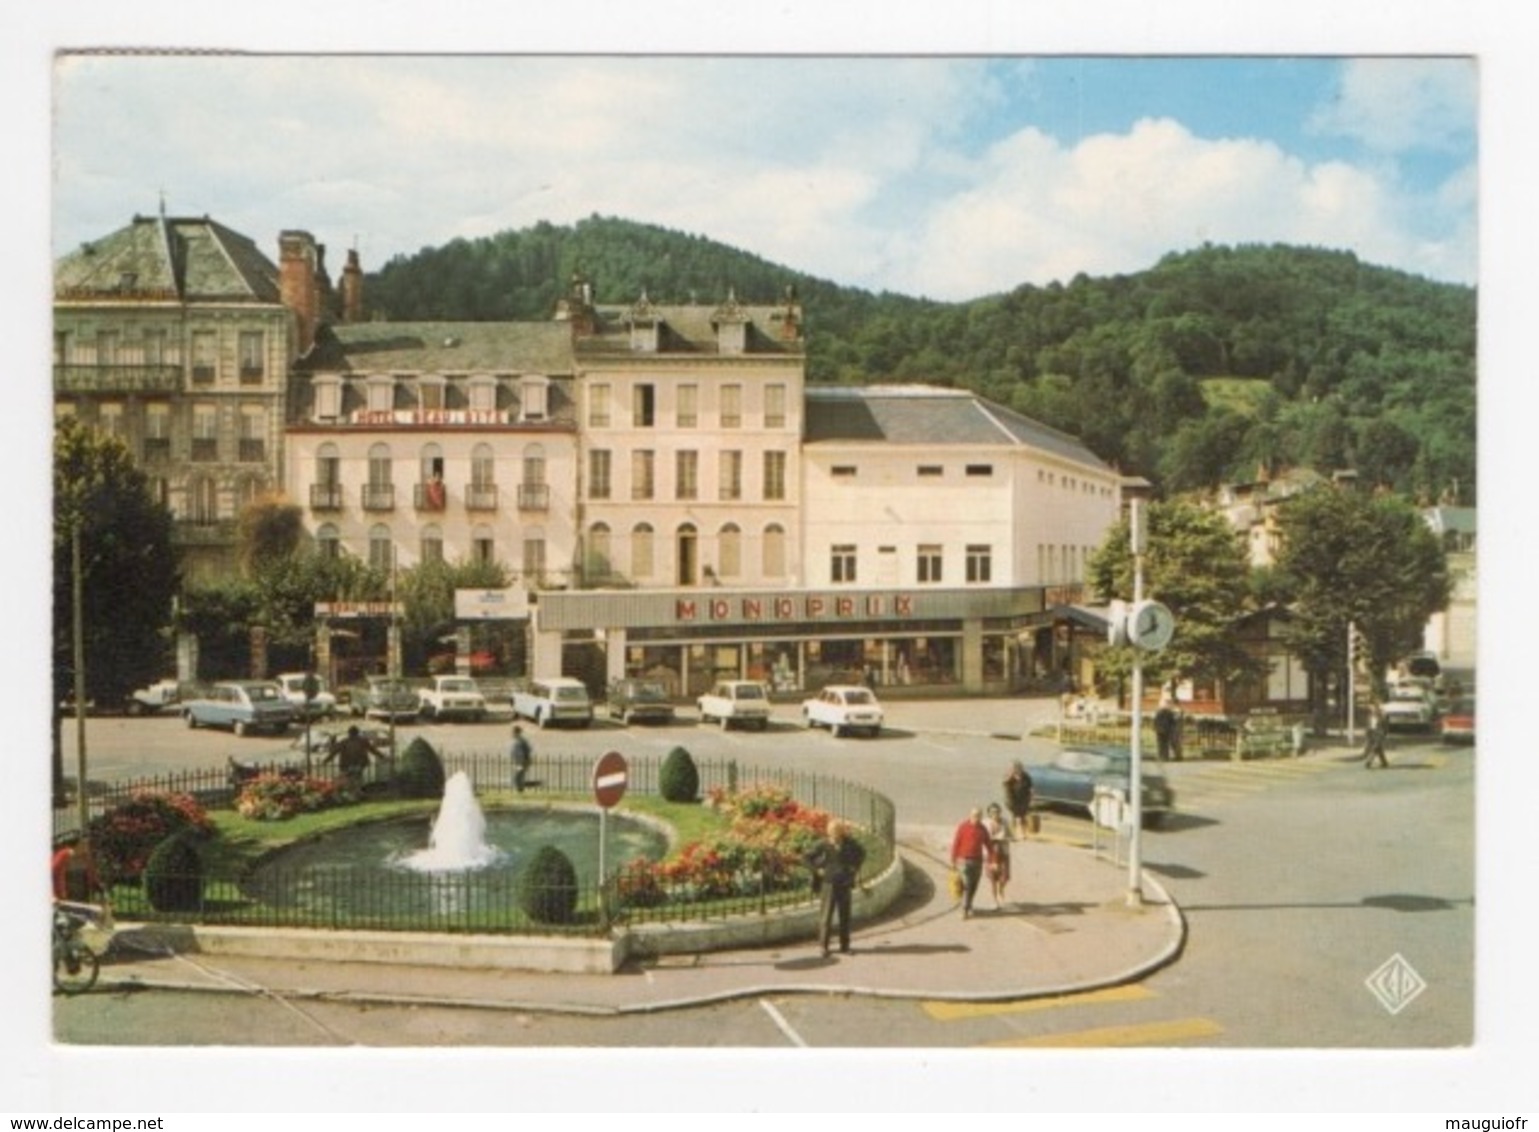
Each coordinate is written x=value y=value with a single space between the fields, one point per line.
x=1145 y=1034
x=952 y=1011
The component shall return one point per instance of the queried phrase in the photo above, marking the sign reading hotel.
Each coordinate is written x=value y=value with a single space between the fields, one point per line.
x=449 y=417
x=807 y=607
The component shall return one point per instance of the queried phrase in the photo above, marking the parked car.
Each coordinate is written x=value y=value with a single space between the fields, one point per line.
x=556 y=699
x=1071 y=779
x=452 y=697
x=842 y=708
x=157 y=697
x=322 y=705
x=1421 y=666
x=633 y=699
x=1458 y=723
x=241 y=705
x=744 y=702
x=384 y=697
x=1409 y=706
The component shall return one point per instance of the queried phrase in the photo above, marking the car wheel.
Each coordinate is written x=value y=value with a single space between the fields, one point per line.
x=836 y=729
x=192 y=721
x=541 y=720
x=726 y=722
x=240 y=728
x=807 y=720
x=763 y=725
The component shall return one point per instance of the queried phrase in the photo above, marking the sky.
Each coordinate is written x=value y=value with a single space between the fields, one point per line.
x=948 y=177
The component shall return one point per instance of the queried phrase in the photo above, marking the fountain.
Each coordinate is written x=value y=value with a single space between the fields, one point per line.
x=458 y=840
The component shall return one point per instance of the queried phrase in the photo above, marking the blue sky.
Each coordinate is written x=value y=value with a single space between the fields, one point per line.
x=946 y=176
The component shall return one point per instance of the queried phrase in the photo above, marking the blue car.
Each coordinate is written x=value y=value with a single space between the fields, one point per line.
x=241 y=705
x=1070 y=781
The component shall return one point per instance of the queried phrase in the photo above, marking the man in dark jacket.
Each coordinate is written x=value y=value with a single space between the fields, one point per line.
x=835 y=864
x=523 y=755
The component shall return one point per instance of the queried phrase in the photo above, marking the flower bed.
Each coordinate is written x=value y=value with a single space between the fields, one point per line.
x=123 y=838
x=278 y=796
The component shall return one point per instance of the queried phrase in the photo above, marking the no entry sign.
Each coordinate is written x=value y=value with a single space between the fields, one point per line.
x=609 y=778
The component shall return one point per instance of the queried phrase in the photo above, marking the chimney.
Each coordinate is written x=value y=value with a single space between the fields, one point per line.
x=791 y=316
x=325 y=296
x=297 y=284
x=577 y=307
x=352 y=288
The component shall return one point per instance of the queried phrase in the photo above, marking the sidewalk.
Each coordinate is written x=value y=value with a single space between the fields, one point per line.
x=1067 y=928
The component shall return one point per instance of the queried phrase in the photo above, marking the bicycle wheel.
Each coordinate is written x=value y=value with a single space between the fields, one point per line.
x=75 y=967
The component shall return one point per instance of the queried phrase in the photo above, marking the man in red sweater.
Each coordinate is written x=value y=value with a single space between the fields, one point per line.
x=969 y=850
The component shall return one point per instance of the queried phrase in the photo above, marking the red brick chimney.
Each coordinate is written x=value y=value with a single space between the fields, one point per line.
x=352 y=288
x=298 y=261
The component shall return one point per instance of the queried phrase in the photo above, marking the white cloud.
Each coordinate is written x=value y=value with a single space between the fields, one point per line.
x=1397 y=105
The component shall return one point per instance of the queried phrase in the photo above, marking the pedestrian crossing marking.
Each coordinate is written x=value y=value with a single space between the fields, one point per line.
x=1141 y=1034
x=952 y=1011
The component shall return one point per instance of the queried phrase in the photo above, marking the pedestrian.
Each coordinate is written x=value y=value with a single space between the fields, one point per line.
x=835 y=862
x=1373 y=739
x=352 y=753
x=523 y=756
x=999 y=852
x=1165 y=729
x=1018 y=798
x=969 y=851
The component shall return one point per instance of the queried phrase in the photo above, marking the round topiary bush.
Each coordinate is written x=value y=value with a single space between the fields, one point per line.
x=420 y=773
x=547 y=890
x=679 y=778
x=173 y=876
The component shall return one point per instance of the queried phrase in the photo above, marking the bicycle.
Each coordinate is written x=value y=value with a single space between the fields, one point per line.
x=75 y=964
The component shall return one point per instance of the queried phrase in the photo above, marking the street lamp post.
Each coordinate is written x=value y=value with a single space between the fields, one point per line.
x=1136 y=491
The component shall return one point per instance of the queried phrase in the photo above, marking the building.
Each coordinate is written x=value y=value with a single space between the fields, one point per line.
x=1450 y=634
x=173 y=334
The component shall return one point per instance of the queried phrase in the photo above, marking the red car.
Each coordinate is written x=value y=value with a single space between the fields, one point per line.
x=1458 y=723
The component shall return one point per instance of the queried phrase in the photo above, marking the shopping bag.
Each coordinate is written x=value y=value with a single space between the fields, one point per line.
x=954 y=882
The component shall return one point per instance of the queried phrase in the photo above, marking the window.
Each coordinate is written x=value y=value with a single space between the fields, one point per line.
x=431 y=492
x=381 y=394
x=328 y=399
x=843 y=471
x=481 y=492
x=774 y=406
x=155 y=347
x=598 y=405
x=643 y=406
x=730 y=474
x=774 y=551
x=248 y=489
x=534 y=397
x=641 y=551
x=430 y=393
x=253 y=434
x=483 y=549
x=534 y=557
x=686 y=474
x=431 y=543
x=157 y=431
x=205 y=356
x=931 y=470
x=203 y=500
x=483 y=394
x=731 y=406
x=929 y=563
x=109 y=418
x=774 y=475
x=326 y=491
x=380 y=556
x=729 y=551
x=533 y=491
x=841 y=566
x=379 y=492
x=598 y=473
x=252 y=358
x=205 y=432
x=979 y=563
x=983 y=470
x=598 y=557
x=641 y=474
x=689 y=406
x=107 y=348
x=328 y=541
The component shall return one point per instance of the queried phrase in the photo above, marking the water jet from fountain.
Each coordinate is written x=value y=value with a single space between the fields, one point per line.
x=458 y=841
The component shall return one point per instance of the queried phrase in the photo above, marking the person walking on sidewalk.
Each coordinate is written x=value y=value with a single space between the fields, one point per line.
x=969 y=851
x=523 y=755
x=835 y=863
x=1373 y=739
x=1165 y=730
x=1018 y=798
x=999 y=852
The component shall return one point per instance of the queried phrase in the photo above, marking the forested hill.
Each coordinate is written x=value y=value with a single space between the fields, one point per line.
x=1199 y=370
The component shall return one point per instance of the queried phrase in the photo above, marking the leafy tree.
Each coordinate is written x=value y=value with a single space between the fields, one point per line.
x=268 y=529
x=1196 y=565
x=128 y=571
x=1349 y=558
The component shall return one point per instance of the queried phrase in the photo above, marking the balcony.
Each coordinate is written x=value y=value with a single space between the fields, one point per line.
x=481 y=497
x=378 y=496
x=534 y=497
x=117 y=379
x=430 y=496
x=252 y=451
x=202 y=375
x=205 y=450
x=252 y=374
x=325 y=497
x=157 y=449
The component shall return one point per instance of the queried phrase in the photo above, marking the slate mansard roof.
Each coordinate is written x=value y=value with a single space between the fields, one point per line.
x=930 y=415
x=169 y=259
x=442 y=348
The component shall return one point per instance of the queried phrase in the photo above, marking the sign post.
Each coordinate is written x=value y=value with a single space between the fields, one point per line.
x=610 y=775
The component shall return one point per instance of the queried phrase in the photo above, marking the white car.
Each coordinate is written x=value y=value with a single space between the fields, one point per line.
x=453 y=697
x=842 y=708
x=1410 y=706
x=555 y=699
x=323 y=705
x=729 y=702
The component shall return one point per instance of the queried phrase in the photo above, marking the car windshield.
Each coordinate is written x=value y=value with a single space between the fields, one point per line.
x=571 y=693
x=859 y=696
x=1088 y=762
x=648 y=692
x=458 y=685
x=749 y=692
x=1408 y=695
x=259 y=692
x=390 y=687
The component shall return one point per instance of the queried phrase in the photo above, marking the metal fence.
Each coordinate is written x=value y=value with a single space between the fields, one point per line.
x=356 y=897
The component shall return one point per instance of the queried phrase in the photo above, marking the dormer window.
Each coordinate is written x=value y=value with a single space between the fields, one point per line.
x=381 y=393
x=328 y=398
x=533 y=397
x=646 y=326
x=483 y=394
x=731 y=322
x=430 y=392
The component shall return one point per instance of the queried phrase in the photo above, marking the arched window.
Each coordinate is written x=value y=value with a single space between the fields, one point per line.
x=380 y=550
x=642 y=551
x=327 y=541
x=687 y=558
x=431 y=492
x=729 y=551
x=483 y=548
x=774 y=551
x=432 y=543
x=598 y=565
x=379 y=492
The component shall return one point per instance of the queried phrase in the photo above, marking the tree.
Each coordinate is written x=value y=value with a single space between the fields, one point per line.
x=127 y=576
x=1196 y=565
x=268 y=529
x=1348 y=558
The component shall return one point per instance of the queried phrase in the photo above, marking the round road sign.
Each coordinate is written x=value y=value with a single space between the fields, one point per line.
x=609 y=778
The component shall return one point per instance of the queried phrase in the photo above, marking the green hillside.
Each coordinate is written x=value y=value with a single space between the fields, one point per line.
x=1196 y=371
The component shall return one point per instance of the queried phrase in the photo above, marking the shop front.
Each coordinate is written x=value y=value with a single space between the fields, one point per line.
x=931 y=642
